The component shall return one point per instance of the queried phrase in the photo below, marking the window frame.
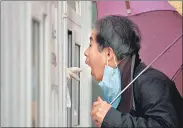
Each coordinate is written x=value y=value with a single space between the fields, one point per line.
x=69 y=19
x=76 y=40
x=40 y=13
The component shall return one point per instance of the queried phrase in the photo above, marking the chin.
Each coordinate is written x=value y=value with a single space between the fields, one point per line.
x=96 y=78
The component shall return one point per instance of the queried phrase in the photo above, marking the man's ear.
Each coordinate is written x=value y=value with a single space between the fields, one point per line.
x=110 y=54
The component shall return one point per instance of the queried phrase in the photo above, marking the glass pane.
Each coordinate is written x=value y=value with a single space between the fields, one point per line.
x=76 y=89
x=35 y=72
x=73 y=113
x=69 y=82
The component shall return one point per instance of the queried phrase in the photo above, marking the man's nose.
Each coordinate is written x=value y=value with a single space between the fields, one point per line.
x=86 y=52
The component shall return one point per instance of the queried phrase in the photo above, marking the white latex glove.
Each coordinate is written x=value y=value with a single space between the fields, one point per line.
x=71 y=73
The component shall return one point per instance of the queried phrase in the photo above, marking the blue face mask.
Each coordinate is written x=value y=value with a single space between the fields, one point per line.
x=111 y=84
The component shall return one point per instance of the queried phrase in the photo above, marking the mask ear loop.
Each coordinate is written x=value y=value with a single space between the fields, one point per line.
x=107 y=60
x=115 y=62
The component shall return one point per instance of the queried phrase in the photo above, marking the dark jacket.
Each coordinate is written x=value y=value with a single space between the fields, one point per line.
x=152 y=100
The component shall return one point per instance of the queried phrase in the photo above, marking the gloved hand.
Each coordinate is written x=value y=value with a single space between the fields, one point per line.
x=71 y=73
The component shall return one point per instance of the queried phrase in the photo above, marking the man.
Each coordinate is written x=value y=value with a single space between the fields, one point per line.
x=152 y=100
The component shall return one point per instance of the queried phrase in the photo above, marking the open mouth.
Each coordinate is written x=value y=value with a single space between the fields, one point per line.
x=88 y=66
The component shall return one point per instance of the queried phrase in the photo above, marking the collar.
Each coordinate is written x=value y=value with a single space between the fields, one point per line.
x=127 y=68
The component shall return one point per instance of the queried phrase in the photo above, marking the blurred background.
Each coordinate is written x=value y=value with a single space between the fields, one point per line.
x=40 y=39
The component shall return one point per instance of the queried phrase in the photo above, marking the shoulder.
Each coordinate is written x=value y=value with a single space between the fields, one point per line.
x=152 y=75
x=154 y=85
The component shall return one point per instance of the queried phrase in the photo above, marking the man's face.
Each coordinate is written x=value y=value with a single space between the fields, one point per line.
x=95 y=59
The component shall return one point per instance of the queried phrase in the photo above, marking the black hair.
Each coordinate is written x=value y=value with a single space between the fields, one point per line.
x=119 y=33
